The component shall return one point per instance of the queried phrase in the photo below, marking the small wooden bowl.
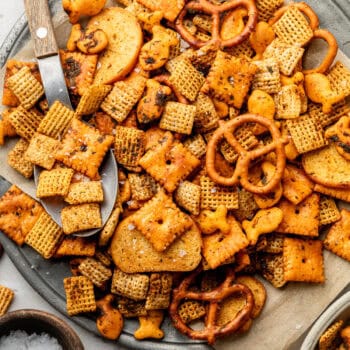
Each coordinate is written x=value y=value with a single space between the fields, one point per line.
x=40 y=321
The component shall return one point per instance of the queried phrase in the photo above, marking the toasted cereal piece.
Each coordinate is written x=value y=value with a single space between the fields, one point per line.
x=170 y=9
x=272 y=269
x=12 y=67
x=95 y=271
x=339 y=193
x=103 y=257
x=338 y=238
x=131 y=308
x=267 y=77
x=6 y=297
x=188 y=196
x=80 y=296
x=307 y=133
x=206 y=117
x=18 y=214
x=203 y=22
x=56 y=120
x=185 y=77
x=264 y=221
x=169 y=162
x=204 y=56
x=150 y=325
x=109 y=228
x=302 y=219
x=83 y=148
x=329 y=211
x=84 y=192
x=178 y=117
x=288 y=102
x=143 y=187
x=54 y=182
x=196 y=145
x=26 y=87
x=45 y=236
x=76 y=246
x=41 y=150
x=229 y=78
x=16 y=159
x=140 y=256
x=287 y=56
x=266 y=8
x=161 y=227
x=92 y=98
x=25 y=122
x=213 y=195
x=219 y=247
x=339 y=109
x=327 y=167
x=329 y=336
x=158 y=296
x=174 y=50
x=123 y=97
x=133 y=286
x=303 y=260
x=339 y=77
x=270 y=243
x=246 y=205
x=296 y=185
x=191 y=310
x=293 y=28
x=79 y=70
x=80 y=217
x=129 y=145
x=243 y=50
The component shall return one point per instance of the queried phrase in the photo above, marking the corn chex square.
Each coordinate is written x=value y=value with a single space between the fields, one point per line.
x=17 y=161
x=83 y=148
x=188 y=196
x=288 y=102
x=92 y=98
x=6 y=297
x=142 y=186
x=41 y=150
x=339 y=77
x=95 y=271
x=26 y=87
x=169 y=162
x=185 y=77
x=191 y=310
x=80 y=295
x=45 y=236
x=293 y=28
x=54 y=182
x=196 y=145
x=129 y=145
x=206 y=117
x=56 y=120
x=267 y=77
x=266 y=8
x=161 y=227
x=271 y=266
x=76 y=246
x=133 y=286
x=213 y=195
x=178 y=117
x=84 y=192
x=81 y=217
x=329 y=211
x=307 y=133
x=25 y=122
x=18 y=214
x=158 y=296
x=303 y=260
x=122 y=98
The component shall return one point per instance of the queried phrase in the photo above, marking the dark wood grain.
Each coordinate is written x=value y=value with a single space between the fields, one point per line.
x=38 y=14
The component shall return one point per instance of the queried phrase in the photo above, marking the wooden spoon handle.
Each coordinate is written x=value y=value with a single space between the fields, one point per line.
x=40 y=25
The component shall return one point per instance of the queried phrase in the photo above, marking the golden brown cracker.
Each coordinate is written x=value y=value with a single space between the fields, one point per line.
x=76 y=246
x=16 y=159
x=338 y=193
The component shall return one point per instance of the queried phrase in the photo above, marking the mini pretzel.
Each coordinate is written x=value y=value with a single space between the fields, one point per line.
x=215 y=11
x=214 y=297
x=301 y=6
x=332 y=51
x=240 y=175
x=164 y=79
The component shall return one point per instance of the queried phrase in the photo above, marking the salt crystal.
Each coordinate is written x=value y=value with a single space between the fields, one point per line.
x=182 y=253
x=131 y=227
x=213 y=190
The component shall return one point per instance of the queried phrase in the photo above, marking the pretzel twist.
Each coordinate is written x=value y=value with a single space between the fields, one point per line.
x=214 y=297
x=215 y=11
x=240 y=175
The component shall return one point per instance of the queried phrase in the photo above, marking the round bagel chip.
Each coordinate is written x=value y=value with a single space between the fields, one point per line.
x=125 y=40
